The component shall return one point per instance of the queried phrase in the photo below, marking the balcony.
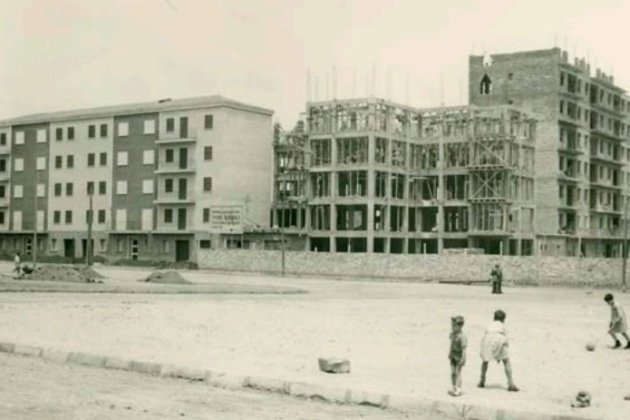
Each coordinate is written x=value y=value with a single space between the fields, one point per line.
x=175 y=140
x=174 y=168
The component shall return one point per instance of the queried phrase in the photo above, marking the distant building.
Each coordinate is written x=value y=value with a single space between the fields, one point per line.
x=369 y=175
x=166 y=178
x=582 y=144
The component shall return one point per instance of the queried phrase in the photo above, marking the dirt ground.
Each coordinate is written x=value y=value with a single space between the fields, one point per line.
x=34 y=389
x=395 y=334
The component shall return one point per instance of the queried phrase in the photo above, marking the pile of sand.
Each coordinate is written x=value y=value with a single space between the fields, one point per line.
x=165 y=277
x=66 y=273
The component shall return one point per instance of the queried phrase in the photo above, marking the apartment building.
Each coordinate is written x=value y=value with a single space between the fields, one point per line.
x=582 y=145
x=163 y=179
x=370 y=175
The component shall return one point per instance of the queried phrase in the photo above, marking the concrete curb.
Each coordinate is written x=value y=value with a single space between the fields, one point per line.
x=296 y=389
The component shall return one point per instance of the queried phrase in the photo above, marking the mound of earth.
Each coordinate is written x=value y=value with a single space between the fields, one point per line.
x=64 y=273
x=166 y=277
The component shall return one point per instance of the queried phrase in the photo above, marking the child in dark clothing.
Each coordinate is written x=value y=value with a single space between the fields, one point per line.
x=457 y=354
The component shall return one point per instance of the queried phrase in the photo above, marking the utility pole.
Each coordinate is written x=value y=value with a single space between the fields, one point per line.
x=88 y=247
x=625 y=245
x=35 y=213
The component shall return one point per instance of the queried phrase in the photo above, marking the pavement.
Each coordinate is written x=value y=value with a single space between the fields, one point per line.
x=395 y=334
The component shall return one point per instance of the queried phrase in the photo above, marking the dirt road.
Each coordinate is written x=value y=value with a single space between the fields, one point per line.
x=35 y=389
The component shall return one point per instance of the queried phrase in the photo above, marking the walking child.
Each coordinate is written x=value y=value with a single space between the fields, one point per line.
x=457 y=354
x=494 y=346
x=618 y=323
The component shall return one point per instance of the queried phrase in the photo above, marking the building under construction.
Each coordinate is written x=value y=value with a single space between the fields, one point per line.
x=369 y=175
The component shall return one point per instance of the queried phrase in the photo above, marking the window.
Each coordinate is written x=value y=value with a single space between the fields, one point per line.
x=149 y=126
x=206 y=215
x=3 y=165
x=170 y=155
x=68 y=217
x=148 y=157
x=121 y=187
x=120 y=245
x=147 y=219
x=90 y=188
x=59 y=134
x=41 y=135
x=41 y=190
x=103 y=159
x=40 y=163
x=207 y=184
x=208 y=122
x=69 y=189
x=70 y=133
x=102 y=187
x=18 y=191
x=168 y=215
x=70 y=161
x=121 y=158
x=58 y=189
x=170 y=125
x=123 y=129
x=103 y=130
x=19 y=137
x=53 y=244
x=101 y=216
x=204 y=244
x=88 y=216
x=3 y=139
x=56 y=217
x=91 y=131
x=121 y=219
x=58 y=162
x=168 y=185
x=207 y=153
x=18 y=165
x=2 y=219
x=147 y=186
x=3 y=191
x=91 y=159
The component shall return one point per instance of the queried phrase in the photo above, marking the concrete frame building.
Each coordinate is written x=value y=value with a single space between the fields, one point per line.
x=582 y=146
x=369 y=175
x=165 y=178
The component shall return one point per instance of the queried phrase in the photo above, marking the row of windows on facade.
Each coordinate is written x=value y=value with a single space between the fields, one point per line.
x=149 y=127
x=101 y=216
x=148 y=158
x=574 y=85
x=597 y=120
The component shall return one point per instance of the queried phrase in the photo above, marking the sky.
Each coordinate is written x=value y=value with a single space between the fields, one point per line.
x=67 y=54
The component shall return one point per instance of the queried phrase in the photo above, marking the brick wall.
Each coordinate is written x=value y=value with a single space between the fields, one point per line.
x=517 y=270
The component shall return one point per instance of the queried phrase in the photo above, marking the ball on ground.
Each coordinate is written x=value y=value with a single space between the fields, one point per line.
x=590 y=346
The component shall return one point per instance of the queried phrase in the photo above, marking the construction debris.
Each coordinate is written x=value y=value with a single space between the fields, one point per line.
x=165 y=277
x=66 y=273
x=334 y=365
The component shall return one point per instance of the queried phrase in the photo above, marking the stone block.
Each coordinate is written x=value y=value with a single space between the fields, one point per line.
x=87 y=359
x=183 y=372
x=117 y=363
x=372 y=399
x=28 y=350
x=7 y=347
x=148 y=368
x=334 y=365
x=269 y=384
x=56 y=355
x=322 y=393
x=226 y=380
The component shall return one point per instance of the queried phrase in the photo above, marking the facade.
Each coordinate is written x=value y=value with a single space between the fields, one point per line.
x=582 y=145
x=369 y=175
x=163 y=179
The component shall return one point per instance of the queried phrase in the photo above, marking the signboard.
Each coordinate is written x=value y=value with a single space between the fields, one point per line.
x=226 y=219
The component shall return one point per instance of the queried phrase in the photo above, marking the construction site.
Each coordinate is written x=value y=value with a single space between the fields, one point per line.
x=371 y=175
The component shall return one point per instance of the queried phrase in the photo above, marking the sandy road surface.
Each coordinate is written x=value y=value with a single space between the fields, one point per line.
x=35 y=389
x=396 y=335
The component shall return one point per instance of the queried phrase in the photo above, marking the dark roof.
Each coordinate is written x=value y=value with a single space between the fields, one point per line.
x=137 y=108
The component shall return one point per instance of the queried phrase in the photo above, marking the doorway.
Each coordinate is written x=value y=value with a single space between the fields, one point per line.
x=68 y=248
x=182 y=250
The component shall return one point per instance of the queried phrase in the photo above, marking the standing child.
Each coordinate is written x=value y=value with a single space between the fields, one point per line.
x=618 y=323
x=494 y=346
x=457 y=354
x=16 y=260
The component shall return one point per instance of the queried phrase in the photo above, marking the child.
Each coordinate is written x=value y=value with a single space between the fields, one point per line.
x=494 y=346
x=457 y=354
x=618 y=324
